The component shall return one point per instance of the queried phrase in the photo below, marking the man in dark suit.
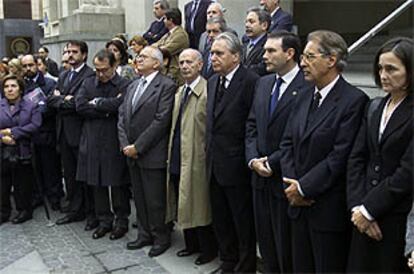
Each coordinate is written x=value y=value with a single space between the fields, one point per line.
x=69 y=125
x=157 y=28
x=257 y=23
x=274 y=99
x=52 y=66
x=143 y=130
x=98 y=101
x=195 y=13
x=47 y=161
x=230 y=96
x=315 y=148
x=214 y=27
x=281 y=20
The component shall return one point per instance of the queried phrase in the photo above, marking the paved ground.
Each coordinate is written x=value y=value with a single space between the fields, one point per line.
x=34 y=247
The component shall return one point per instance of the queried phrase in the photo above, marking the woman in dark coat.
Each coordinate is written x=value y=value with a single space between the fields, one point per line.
x=380 y=166
x=19 y=120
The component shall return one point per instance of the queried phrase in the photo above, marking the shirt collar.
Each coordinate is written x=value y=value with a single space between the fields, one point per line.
x=230 y=75
x=325 y=90
x=273 y=13
x=288 y=77
x=150 y=77
x=193 y=84
x=78 y=68
x=173 y=29
x=257 y=39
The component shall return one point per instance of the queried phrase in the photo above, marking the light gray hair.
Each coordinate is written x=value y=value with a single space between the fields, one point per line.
x=163 y=4
x=157 y=55
x=331 y=43
x=218 y=20
x=222 y=9
x=198 y=55
x=232 y=42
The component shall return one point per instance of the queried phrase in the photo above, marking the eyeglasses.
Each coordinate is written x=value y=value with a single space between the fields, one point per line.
x=310 y=57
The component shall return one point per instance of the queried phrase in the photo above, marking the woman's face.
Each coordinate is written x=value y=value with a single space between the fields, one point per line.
x=392 y=73
x=115 y=51
x=13 y=69
x=136 y=48
x=2 y=74
x=11 y=90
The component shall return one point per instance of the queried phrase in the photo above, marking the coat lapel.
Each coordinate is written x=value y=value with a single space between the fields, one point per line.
x=400 y=116
x=376 y=120
x=231 y=89
x=5 y=108
x=128 y=99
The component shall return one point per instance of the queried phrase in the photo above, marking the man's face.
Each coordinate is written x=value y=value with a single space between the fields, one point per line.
x=76 y=58
x=41 y=66
x=168 y=23
x=315 y=65
x=269 y=5
x=104 y=71
x=42 y=53
x=222 y=60
x=214 y=11
x=190 y=66
x=274 y=57
x=146 y=63
x=213 y=30
x=158 y=11
x=253 y=26
x=29 y=66
x=65 y=61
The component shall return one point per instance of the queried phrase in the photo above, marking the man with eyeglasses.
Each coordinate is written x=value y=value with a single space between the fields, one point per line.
x=315 y=149
x=106 y=171
x=275 y=97
x=143 y=129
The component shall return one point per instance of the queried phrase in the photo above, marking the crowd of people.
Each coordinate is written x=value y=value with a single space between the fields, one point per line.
x=238 y=141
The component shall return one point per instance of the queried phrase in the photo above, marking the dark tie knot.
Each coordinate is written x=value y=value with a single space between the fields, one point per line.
x=317 y=96
x=223 y=81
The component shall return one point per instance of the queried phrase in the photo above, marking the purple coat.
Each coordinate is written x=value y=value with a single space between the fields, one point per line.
x=23 y=122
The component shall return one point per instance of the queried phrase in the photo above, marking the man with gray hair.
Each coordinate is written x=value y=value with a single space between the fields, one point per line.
x=315 y=150
x=230 y=96
x=157 y=28
x=143 y=127
x=256 y=24
x=187 y=166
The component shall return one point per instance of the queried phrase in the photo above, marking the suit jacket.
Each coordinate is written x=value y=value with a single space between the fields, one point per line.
x=226 y=127
x=264 y=133
x=69 y=122
x=316 y=154
x=24 y=122
x=200 y=20
x=380 y=172
x=105 y=163
x=52 y=67
x=254 y=60
x=207 y=71
x=156 y=30
x=281 y=20
x=174 y=43
x=148 y=126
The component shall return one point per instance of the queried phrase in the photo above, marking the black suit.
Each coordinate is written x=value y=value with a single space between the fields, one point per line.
x=147 y=126
x=231 y=196
x=281 y=20
x=254 y=59
x=380 y=177
x=69 y=125
x=315 y=153
x=200 y=19
x=52 y=67
x=264 y=133
x=156 y=30
x=207 y=71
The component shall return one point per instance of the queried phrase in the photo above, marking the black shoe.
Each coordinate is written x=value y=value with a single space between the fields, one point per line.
x=185 y=253
x=100 y=232
x=157 y=250
x=22 y=217
x=91 y=225
x=118 y=232
x=204 y=259
x=138 y=244
x=70 y=218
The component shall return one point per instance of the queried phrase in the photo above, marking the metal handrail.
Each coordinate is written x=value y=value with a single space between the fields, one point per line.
x=381 y=25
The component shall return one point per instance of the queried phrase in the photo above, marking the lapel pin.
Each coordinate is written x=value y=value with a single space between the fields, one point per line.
x=294 y=93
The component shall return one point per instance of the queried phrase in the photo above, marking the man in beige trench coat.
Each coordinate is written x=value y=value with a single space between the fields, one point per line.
x=187 y=180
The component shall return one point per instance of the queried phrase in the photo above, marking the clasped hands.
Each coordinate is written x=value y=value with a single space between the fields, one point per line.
x=259 y=166
x=7 y=137
x=56 y=92
x=130 y=151
x=371 y=228
x=293 y=195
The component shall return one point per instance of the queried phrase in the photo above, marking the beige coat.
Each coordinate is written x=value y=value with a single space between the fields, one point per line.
x=194 y=195
x=174 y=42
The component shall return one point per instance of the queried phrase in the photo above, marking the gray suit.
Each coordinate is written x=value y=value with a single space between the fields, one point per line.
x=147 y=126
x=409 y=239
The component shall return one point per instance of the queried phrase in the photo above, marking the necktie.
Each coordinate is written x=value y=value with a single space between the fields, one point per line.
x=274 y=98
x=193 y=14
x=221 y=90
x=138 y=92
x=72 y=75
x=249 y=48
x=316 y=100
